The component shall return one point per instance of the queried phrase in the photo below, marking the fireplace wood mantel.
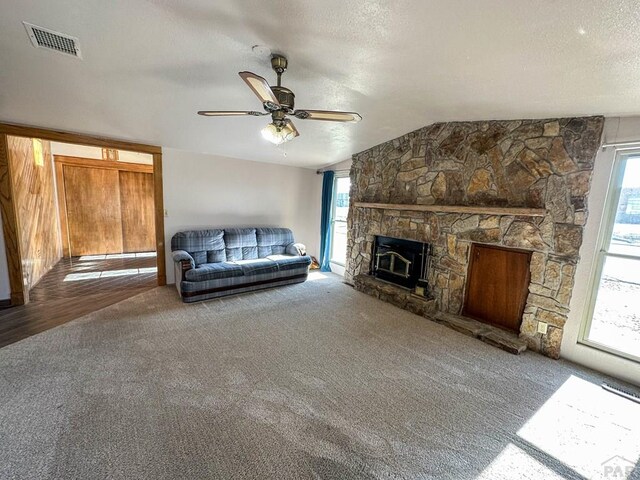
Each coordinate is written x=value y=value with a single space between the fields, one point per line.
x=528 y=212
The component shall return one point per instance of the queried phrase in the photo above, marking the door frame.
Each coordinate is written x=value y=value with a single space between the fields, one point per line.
x=11 y=222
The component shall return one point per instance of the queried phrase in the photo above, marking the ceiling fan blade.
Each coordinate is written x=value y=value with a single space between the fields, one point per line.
x=260 y=87
x=295 y=131
x=327 y=115
x=229 y=113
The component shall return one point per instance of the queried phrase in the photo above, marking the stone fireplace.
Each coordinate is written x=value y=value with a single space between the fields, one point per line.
x=518 y=184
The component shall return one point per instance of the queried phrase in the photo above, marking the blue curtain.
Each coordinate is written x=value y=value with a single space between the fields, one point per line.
x=325 y=221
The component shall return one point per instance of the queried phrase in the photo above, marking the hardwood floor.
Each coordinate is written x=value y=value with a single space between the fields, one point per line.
x=75 y=287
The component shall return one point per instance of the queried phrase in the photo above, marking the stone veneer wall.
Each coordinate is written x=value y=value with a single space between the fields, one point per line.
x=527 y=163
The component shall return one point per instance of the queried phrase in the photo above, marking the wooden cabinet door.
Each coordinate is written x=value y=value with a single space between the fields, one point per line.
x=93 y=210
x=138 y=213
x=497 y=286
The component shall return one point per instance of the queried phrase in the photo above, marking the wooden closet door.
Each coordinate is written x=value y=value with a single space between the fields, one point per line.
x=93 y=210
x=497 y=286
x=138 y=213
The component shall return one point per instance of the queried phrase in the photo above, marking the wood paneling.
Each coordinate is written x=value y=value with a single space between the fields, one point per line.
x=10 y=227
x=497 y=286
x=138 y=215
x=134 y=199
x=93 y=210
x=35 y=207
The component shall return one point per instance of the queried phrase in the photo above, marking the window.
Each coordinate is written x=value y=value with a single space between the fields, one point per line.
x=340 y=209
x=613 y=316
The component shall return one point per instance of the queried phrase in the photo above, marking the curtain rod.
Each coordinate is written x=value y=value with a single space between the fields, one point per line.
x=621 y=145
x=320 y=172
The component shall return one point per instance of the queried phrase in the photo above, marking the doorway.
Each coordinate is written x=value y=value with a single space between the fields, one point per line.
x=82 y=225
x=613 y=315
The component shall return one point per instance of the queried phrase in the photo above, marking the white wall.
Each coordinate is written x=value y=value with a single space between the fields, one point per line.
x=207 y=191
x=626 y=129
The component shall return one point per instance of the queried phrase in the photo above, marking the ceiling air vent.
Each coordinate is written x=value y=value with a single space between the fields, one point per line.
x=59 y=42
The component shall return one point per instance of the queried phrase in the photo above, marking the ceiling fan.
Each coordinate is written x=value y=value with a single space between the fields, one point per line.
x=278 y=101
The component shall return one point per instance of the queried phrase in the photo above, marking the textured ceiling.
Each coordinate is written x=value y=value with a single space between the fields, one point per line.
x=149 y=66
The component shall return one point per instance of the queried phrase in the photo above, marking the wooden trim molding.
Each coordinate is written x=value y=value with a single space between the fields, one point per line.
x=62 y=210
x=528 y=212
x=11 y=228
x=105 y=164
x=159 y=220
x=79 y=138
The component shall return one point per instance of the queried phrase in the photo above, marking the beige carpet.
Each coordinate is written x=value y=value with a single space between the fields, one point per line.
x=308 y=381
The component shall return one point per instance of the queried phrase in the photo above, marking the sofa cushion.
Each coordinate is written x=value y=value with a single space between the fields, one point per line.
x=199 y=257
x=241 y=244
x=257 y=266
x=215 y=256
x=199 y=244
x=213 y=271
x=273 y=241
x=290 y=262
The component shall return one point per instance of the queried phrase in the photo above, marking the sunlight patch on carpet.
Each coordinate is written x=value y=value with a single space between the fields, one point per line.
x=513 y=459
x=588 y=429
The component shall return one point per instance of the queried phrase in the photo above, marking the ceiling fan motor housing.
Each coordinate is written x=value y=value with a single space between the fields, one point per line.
x=285 y=97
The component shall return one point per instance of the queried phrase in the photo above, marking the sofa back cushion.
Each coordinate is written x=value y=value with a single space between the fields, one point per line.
x=205 y=246
x=241 y=244
x=273 y=241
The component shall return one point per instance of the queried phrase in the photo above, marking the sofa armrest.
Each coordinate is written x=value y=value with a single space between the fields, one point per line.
x=182 y=256
x=298 y=249
x=183 y=262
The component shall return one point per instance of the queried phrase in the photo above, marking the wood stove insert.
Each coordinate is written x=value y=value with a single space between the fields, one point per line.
x=400 y=261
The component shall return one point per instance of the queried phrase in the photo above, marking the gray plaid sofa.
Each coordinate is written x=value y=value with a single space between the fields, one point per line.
x=214 y=263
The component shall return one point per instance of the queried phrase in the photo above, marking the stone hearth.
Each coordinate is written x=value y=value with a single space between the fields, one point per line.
x=426 y=307
x=540 y=164
x=394 y=294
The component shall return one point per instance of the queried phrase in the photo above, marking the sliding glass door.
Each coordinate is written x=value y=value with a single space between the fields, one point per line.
x=613 y=322
x=339 y=220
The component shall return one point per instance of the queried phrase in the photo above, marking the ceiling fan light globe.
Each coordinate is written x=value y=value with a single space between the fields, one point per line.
x=278 y=134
